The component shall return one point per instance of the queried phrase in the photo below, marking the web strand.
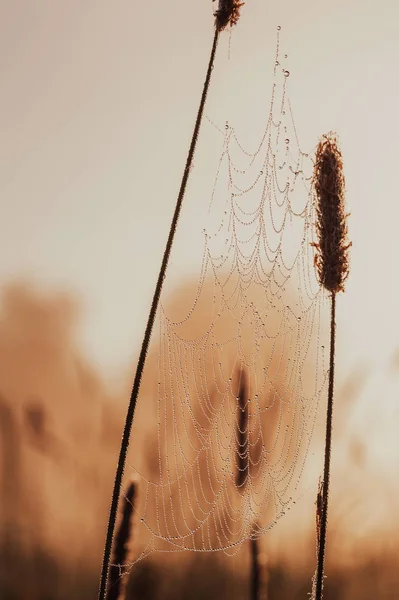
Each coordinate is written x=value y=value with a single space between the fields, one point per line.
x=250 y=342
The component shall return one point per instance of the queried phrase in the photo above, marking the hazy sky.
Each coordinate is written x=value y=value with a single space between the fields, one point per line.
x=97 y=106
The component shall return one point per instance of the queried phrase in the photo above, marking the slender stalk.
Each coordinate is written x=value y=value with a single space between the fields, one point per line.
x=148 y=331
x=242 y=476
x=327 y=459
x=255 y=570
x=332 y=264
x=123 y=536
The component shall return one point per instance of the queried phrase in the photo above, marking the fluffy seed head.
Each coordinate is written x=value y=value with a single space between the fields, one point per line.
x=227 y=13
x=332 y=259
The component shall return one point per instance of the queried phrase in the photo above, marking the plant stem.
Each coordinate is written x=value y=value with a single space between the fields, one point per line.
x=255 y=569
x=122 y=540
x=327 y=459
x=148 y=331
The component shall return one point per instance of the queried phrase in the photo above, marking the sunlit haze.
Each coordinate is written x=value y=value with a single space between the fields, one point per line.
x=97 y=105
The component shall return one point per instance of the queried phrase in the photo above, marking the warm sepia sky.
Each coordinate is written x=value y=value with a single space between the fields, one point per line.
x=97 y=105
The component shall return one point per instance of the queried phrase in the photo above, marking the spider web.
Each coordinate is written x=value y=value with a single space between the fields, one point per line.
x=233 y=382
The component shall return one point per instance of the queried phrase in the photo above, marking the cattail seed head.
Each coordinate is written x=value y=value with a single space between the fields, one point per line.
x=242 y=449
x=332 y=259
x=227 y=13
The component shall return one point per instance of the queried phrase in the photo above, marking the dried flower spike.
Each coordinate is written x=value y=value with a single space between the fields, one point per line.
x=332 y=260
x=228 y=13
x=242 y=450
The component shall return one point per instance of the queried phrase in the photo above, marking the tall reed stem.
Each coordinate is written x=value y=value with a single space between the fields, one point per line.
x=327 y=459
x=255 y=570
x=332 y=263
x=117 y=588
x=148 y=331
x=243 y=474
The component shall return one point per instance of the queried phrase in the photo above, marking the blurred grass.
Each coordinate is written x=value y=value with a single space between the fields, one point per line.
x=59 y=432
x=39 y=576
